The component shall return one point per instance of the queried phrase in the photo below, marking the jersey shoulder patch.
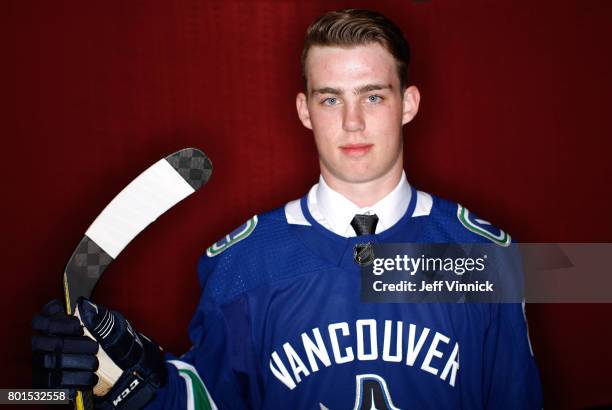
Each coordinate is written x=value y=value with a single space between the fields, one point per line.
x=232 y=238
x=481 y=227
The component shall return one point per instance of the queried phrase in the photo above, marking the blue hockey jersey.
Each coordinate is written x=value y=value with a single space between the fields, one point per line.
x=280 y=325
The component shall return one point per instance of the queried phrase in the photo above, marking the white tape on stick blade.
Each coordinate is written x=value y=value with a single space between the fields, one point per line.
x=147 y=197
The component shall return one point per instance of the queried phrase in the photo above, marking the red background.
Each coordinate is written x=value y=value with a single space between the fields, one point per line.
x=514 y=124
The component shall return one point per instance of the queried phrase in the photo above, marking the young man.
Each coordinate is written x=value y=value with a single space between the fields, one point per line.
x=280 y=323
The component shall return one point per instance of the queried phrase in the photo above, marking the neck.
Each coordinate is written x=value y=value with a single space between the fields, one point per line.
x=366 y=193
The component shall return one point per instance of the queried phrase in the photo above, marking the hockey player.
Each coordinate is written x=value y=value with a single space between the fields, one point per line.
x=280 y=323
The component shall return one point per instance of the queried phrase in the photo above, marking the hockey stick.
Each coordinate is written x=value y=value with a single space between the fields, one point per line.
x=142 y=201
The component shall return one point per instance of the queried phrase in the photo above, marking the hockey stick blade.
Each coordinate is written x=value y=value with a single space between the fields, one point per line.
x=142 y=201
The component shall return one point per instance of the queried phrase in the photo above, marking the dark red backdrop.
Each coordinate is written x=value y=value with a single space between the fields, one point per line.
x=514 y=124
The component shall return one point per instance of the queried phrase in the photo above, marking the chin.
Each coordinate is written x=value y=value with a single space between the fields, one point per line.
x=359 y=177
x=355 y=173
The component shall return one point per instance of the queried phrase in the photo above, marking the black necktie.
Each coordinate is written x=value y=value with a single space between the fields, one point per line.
x=364 y=224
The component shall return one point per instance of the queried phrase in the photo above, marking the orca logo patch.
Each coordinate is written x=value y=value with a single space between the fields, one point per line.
x=372 y=393
x=232 y=238
x=482 y=227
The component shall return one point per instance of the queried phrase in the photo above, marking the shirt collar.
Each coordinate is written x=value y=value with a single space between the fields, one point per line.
x=334 y=211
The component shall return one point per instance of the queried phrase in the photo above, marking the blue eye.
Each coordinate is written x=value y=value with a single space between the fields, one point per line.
x=330 y=101
x=374 y=98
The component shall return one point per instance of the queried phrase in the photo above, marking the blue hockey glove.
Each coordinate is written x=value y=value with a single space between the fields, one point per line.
x=131 y=364
x=62 y=357
x=102 y=351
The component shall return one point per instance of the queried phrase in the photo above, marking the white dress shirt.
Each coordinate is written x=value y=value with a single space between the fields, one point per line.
x=335 y=212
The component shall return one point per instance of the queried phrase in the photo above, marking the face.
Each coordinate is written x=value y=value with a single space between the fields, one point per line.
x=356 y=111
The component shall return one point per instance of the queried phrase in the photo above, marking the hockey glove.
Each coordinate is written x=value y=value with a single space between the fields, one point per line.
x=131 y=365
x=62 y=357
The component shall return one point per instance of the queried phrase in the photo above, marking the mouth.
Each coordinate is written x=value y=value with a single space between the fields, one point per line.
x=356 y=150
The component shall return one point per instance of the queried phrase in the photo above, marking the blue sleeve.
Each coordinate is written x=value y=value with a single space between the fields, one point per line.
x=220 y=370
x=511 y=379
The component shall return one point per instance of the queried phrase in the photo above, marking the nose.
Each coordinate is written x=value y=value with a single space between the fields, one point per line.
x=353 y=118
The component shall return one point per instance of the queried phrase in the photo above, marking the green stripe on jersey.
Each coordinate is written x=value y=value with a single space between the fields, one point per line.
x=200 y=395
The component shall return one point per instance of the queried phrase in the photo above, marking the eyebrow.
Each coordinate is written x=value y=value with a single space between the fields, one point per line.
x=357 y=91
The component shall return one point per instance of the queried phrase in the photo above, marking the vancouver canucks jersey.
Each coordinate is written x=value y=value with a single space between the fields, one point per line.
x=280 y=324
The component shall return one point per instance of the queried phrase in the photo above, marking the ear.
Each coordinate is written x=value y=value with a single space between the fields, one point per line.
x=302 y=110
x=410 y=104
